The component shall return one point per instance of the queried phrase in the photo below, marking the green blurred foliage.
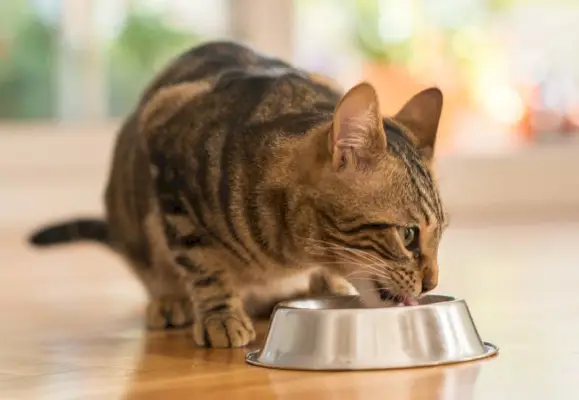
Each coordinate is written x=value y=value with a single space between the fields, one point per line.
x=29 y=60
x=367 y=39
x=504 y=5
x=145 y=44
x=366 y=32
x=27 y=64
x=12 y=15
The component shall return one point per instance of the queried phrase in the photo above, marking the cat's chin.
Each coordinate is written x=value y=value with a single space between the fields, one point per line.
x=372 y=297
x=397 y=299
x=390 y=303
x=408 y=303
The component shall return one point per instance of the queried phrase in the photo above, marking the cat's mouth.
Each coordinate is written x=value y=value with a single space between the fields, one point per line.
x=400 y=300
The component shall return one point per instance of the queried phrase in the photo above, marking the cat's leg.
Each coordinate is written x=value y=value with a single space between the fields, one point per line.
x=204 y=278
x=220 y=317
x=170 y=304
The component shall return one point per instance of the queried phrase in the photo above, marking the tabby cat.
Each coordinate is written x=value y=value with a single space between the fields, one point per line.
x=240 y=180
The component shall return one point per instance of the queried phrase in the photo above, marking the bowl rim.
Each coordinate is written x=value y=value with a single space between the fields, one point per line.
x=292 y=304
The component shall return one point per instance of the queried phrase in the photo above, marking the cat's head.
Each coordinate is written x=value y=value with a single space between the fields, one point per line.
x=378 y=207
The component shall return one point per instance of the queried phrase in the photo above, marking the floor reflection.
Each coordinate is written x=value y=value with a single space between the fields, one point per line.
x=455 y=382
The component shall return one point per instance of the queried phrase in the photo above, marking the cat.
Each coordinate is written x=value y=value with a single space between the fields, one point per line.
x=240 y=180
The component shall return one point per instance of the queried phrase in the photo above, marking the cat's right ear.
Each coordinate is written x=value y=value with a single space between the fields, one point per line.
x=421 y=114
x=357 y=136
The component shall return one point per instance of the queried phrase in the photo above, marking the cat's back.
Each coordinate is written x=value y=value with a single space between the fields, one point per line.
x=223 y=86
x=209 y=61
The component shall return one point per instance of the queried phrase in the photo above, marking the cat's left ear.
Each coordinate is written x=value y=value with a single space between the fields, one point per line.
x=357 y=138
x=421 y=114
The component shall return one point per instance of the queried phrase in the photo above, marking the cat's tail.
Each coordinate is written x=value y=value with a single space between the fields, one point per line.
x=71 y=231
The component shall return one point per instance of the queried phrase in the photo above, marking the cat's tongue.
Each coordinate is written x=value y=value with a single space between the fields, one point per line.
x=409 y=301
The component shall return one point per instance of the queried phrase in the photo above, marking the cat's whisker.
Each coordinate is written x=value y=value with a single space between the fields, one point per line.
x=378 y=269
x=365 y=279
x=373 y=268
x=339 y=252
x=357 y=275
x=346 y=258
x=364 y=255
x=358 y=253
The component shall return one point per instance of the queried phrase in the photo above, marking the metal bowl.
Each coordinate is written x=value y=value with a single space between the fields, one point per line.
x=341 y=333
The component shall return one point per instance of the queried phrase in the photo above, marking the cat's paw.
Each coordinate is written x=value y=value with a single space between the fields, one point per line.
x=227 y=329
x=332 y=285
x=341 y=287
x=168 y=313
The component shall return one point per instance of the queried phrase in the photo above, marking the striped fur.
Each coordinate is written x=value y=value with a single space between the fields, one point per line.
x=240 y=180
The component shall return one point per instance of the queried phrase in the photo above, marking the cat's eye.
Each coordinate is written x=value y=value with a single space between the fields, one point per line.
x=409 y=237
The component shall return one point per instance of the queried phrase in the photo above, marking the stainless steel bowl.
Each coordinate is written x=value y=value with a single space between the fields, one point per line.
x=341 y=333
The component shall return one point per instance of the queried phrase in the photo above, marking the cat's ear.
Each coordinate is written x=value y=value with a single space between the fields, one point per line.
x=357 y=136
x=421 y=114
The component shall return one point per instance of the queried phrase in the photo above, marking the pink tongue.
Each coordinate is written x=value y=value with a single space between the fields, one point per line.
x=409 y=301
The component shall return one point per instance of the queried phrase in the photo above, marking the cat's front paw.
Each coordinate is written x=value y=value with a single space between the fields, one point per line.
x=227 y=329
x=167 y=313
x=332 y=285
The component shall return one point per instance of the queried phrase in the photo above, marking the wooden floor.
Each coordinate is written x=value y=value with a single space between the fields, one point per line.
x=71 y=328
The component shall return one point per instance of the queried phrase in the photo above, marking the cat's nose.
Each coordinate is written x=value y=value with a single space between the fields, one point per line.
x=428 y=285
x=430 y=277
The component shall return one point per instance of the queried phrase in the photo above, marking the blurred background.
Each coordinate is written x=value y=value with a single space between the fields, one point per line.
x=70 y=70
